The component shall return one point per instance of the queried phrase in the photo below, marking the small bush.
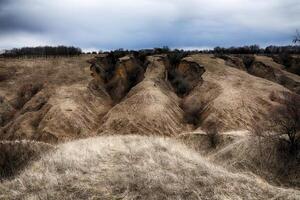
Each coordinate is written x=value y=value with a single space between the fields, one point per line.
x=180 y=85
x=273 y=96
x=248 y=61
x=193 y=111
x=6 y=74
x=285 y=119
x=212 y=133
x=3 y=76
x=26 y=92
x=176 y=56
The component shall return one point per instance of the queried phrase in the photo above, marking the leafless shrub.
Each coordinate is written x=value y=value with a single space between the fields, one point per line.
x=26 y=92
x=297 y=37
x=193 y=111
x=15 y=155
x=212 y=133
x=273 y=96
x=284 y=122
x=285 y=119
x=6 y=111
x=3 y=76
x=6 y=74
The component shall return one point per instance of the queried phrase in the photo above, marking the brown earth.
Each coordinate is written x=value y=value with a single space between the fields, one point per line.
x=55 y=100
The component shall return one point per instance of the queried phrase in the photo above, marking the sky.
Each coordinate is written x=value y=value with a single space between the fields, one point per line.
x=138 y=24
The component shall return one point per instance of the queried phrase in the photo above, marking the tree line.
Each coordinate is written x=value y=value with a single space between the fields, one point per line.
x=47 y=51
x=255 y=49
x=43 y=51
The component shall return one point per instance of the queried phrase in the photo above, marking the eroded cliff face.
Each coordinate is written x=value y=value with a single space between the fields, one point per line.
x=117 y=78
x=51 y=112
x=188 y=74
x=150 y=108
x=128 y=71
x=150 y=98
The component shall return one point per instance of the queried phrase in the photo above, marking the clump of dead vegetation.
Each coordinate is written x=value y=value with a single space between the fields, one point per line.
x=284 y=121
x=15 y=156
x=212 y=132
x=6 y=73
x=25 y=92
x=6 y=111
x=193 y=111
x=282 y=139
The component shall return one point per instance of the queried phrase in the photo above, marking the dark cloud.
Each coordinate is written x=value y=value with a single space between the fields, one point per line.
x=110 y=24
x=10 y=22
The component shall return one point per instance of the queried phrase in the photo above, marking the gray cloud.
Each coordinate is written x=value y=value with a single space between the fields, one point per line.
x=109 y=24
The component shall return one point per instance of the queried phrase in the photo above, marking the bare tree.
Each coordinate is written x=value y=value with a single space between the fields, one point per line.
x=285 y=119
x=297 y=37
x=213 y=133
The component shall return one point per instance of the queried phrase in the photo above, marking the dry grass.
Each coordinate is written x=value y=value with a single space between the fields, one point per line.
x=233 y=96
x=262 y=156
x=55 y=72
x=26 y=92
x=133 y=167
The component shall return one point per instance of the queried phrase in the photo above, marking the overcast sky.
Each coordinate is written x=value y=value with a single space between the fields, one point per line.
x=135 y=24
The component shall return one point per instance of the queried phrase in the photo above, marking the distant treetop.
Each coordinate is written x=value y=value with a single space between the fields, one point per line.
x=43 y=51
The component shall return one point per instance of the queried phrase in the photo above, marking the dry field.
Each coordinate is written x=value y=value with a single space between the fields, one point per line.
x=68 y=135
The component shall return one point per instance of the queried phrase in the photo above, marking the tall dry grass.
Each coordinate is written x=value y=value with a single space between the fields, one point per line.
x=133 y=167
